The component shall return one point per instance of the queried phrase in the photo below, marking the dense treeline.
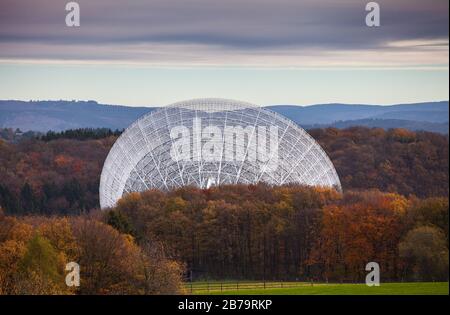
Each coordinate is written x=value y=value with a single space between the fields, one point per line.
x=55 y=177
x=292 y=232
x=81 y=134
x=245 y=232
x=34 y=252
x=61 y=176
x=15 y=135
x=397 y=160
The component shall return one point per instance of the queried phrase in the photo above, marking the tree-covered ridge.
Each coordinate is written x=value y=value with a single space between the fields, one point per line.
x=54 y=177
x=81 y=134
x=16 y=135
x=396 y=160
x=61 y=174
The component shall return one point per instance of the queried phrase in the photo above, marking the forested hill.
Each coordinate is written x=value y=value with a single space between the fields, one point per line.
x=227 y=232
x=59 y=173
x=62 y=115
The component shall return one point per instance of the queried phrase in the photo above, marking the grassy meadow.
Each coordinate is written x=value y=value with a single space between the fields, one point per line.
x=304 y=288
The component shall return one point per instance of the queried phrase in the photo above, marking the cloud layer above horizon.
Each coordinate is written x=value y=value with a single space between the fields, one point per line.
x=155 y=52
x=249 y=33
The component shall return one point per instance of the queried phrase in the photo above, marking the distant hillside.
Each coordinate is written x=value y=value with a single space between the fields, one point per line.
x=62 y=115
x=387 y=124
x=330 y=113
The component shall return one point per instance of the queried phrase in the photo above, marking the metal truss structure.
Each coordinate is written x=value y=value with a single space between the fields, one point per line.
x=146 y=155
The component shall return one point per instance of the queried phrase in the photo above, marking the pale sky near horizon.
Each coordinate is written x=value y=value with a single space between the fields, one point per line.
x=152 y=53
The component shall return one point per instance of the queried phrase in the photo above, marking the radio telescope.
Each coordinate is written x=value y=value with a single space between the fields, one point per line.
x=207 y=142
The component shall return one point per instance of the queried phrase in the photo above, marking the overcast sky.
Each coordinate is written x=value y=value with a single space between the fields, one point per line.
x=156 y=52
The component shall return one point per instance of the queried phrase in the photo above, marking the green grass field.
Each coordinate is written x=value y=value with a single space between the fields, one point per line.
x=302 y=288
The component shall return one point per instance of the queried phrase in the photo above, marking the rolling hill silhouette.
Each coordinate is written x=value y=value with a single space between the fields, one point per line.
x=62 y=115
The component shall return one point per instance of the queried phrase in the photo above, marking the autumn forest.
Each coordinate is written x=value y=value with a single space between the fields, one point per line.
x=394 y=210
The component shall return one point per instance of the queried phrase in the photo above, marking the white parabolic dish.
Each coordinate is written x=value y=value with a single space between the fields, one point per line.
x=206 y=142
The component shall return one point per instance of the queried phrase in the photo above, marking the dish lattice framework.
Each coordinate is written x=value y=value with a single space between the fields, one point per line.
x=140 y=158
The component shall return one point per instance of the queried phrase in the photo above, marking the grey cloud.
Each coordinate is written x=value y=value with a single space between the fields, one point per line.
x=244 y=25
